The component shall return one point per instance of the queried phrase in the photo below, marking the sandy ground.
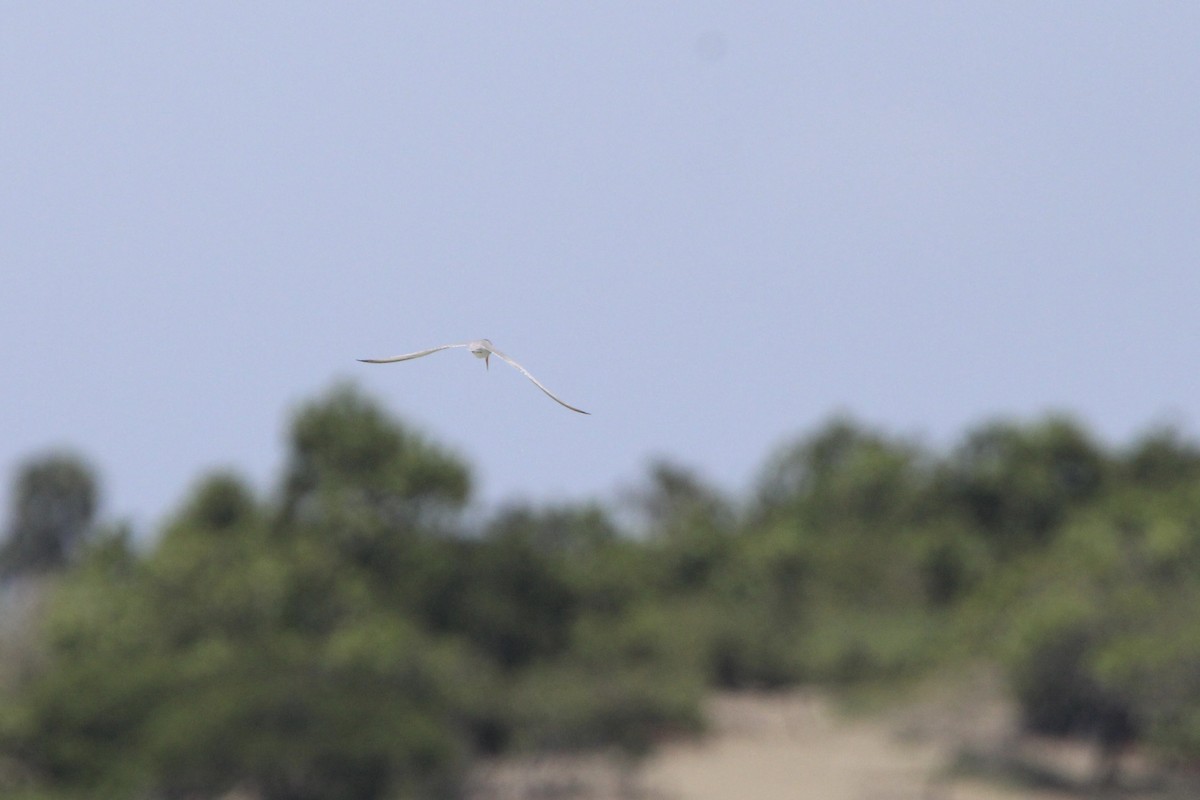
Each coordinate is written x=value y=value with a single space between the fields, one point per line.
x=792 y=746
x=796 y=746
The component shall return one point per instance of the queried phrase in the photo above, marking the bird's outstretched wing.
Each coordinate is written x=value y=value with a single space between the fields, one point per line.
x=410 y=356
x=536 y=382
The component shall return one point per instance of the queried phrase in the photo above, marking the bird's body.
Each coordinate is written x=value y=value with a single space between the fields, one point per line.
x=480 y=348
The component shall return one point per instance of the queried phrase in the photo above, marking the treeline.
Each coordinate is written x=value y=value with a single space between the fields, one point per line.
x=351 y=635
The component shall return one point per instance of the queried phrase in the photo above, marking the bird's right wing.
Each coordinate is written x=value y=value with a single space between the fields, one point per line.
x=410 y=356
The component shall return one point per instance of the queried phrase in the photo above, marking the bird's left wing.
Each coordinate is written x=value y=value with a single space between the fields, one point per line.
x=536 y=382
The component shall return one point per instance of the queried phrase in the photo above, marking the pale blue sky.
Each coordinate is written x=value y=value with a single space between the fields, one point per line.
x=712 y=224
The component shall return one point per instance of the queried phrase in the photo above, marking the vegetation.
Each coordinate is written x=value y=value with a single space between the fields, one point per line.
x=351 y=635
x=53 y=508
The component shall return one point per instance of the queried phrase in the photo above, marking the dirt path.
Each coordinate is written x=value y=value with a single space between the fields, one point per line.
x=796 y=746
x=792 y=746
x=778 y=747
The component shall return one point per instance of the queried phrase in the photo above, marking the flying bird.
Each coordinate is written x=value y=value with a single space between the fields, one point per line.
x=480 y=348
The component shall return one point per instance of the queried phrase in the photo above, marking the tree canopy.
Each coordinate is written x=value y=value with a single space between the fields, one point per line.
x=54 y=504
x=349 y=633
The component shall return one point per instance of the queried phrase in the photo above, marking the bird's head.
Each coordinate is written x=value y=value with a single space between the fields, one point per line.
x=482 y=348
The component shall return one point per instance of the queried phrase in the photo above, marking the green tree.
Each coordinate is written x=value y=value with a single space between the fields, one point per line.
x=54 y=504
x=510 y=598
x=1162 y=458
x=349 y=462
x=1018 y=483
x=260 y=648
x=854 y=499
x=845 y=473
x=688 y=524
x=676 y=499
x=1100 y=634
x=367 y=486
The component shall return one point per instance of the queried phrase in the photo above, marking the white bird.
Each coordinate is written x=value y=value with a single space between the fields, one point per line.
x=480 y=348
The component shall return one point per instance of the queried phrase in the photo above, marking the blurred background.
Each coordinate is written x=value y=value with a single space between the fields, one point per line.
x=882 y=314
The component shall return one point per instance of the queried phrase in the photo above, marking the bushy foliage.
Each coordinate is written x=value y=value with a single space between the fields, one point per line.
x=846 y=474
x=347 y=640
x=54 y=502
x=353 y=468
x=1105 y=638
x=212 y=665
x=351 y=635
x=1018 y=483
